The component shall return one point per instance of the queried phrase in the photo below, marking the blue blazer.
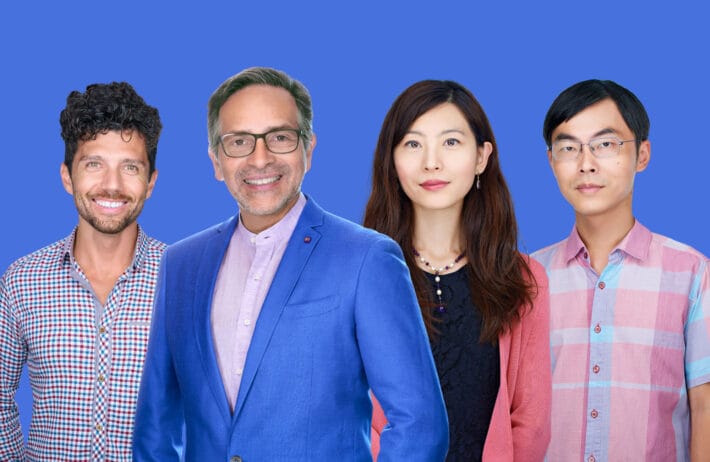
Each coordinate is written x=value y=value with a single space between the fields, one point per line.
x=340 y=318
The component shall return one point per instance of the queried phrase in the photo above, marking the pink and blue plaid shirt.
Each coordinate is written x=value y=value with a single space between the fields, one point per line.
x=84 y=359
x=626 y=346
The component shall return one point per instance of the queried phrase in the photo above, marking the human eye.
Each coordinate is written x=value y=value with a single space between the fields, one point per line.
x=412 y=144
x=451 y=142
x=92 y=165
x=238 y=140
x=565 y=149
x=605 y=146
x=132 y=169
x=282 y=136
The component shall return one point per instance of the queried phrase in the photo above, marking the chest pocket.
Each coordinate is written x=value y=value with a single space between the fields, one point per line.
x=311 y=308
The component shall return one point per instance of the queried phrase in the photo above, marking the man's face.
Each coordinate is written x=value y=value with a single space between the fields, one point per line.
x=264 y=184
x=599 y=187
x=109 y=180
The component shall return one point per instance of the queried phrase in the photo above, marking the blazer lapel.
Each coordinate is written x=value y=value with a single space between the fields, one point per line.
x=300 y=247
x=209 y=264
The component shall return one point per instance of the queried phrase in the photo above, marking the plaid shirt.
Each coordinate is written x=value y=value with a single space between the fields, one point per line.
x=626 y=346
x=84 y=358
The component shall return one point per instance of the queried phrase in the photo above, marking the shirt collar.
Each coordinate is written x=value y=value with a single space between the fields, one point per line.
x=279 y=231
x=139 y=253
x=636 y=243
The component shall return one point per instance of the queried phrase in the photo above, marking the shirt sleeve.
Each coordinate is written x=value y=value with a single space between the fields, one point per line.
x=697 y=329
x=14 y=355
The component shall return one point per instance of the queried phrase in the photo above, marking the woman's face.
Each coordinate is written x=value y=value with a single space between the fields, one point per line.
x=438 y=159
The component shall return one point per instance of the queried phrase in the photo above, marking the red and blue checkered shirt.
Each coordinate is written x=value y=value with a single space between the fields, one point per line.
x=626 y=346
x=84 y=359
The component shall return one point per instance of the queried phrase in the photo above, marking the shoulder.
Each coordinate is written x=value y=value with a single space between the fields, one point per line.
x=674 y=253
x=39 y=263
x=536 y=316
x=202 y=239
x=546 y=255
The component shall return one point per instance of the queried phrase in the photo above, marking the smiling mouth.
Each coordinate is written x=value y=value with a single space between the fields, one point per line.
x=109 y=204
x=262 y=181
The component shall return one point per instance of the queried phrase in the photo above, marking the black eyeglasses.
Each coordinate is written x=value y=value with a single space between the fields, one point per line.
x=600 y=148
x=278 y=141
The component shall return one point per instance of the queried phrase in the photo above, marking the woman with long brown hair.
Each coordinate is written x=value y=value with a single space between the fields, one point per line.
x=438 y=190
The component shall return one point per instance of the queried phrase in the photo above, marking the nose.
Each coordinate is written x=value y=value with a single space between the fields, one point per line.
x=111 y=180
x=431 y=160
x=261 y=156
x=587 y=160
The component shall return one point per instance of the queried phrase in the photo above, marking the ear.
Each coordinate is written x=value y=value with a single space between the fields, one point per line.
x=484 y=152
x=66 y=179
x=151 y=183
x=309 y=152
x=216 y=165
x=643 y=156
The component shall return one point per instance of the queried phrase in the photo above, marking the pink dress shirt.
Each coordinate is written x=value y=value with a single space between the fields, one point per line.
x=244 y=278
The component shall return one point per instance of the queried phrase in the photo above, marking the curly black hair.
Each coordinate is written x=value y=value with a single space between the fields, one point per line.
x=108 y=107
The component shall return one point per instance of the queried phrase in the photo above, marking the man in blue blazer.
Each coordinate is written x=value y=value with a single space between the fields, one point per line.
x=270 y=329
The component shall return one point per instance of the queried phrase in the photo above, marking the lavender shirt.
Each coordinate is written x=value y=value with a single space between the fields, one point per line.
x=242 y=284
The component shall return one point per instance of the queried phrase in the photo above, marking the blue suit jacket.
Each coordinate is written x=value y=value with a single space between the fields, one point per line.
x=340 y=318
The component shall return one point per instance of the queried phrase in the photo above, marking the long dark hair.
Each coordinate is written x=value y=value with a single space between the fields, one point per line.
x=500 y=279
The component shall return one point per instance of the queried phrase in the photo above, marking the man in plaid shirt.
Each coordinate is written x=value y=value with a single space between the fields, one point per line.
x=629 y=309
x=78 y=311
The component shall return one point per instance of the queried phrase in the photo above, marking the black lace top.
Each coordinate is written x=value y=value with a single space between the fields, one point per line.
x=469 y=371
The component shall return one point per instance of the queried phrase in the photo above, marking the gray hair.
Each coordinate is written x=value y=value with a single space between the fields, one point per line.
x=260 y=76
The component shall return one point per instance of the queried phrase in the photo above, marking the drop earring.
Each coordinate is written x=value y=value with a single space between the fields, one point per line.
x=478 y=181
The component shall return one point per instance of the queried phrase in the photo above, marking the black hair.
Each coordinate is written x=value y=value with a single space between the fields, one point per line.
x=108 y=107
x=581 y=95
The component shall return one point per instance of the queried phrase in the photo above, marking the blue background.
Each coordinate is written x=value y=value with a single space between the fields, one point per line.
x=355 y=58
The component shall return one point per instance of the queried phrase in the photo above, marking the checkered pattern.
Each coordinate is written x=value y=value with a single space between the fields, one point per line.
x=626 y=346
x=84 y=359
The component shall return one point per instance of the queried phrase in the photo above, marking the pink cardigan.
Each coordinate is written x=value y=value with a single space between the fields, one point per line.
x=520 y=425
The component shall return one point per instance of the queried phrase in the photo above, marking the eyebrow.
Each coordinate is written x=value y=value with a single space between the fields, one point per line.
x=445 y=132
x=605 y=131
x=267 y=130
x=90 y=157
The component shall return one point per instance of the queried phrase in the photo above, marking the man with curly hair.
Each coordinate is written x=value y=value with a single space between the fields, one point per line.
x=78 y=311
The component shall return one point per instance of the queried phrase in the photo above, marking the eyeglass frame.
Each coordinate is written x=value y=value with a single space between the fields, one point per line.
x=258 y=136
x=591 y=150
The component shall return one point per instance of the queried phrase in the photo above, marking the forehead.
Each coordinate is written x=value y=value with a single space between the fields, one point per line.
x=445 y=116
x=258 y=107
x=599 y=117
x=123 y=145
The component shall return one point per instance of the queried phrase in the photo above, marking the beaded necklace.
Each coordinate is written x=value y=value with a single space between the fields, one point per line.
x=437 y=272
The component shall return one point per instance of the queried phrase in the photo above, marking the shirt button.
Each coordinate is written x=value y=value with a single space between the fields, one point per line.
x=252 y=240
x=602 y=285
x=102 y=330
x=594 y=414
x=101 y=377
x=597 y=329
x=99 y=427
x=257 y=277
x=247 y=322
x=595 y=369
x=591 y=459
x=586 y=255
x=239 y=371
x=235 y=459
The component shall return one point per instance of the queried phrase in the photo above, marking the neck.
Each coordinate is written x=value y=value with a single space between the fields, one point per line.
x=601 y=235
x=101 y=253
x=437 y=235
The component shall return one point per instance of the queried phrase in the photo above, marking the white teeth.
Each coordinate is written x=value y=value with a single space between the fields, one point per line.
x=109 y=204
x=262 y=181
